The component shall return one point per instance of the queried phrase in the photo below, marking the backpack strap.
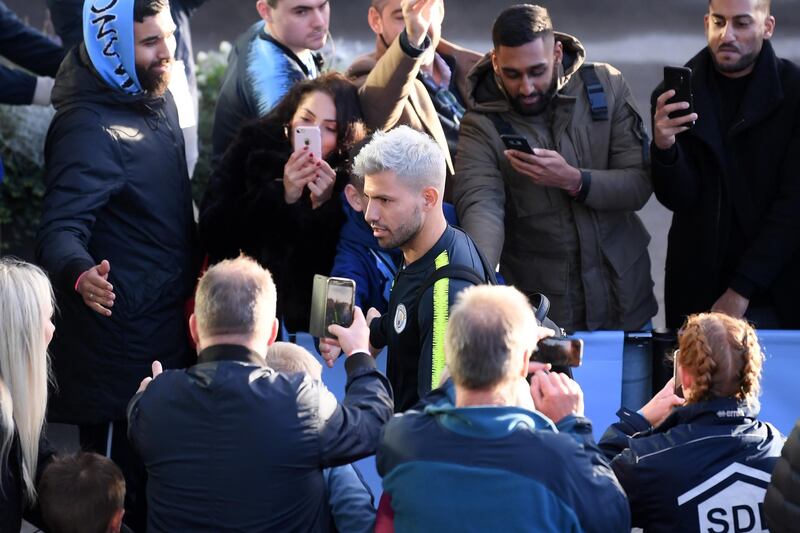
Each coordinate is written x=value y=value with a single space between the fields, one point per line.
x=594 y=92
x=501 y=125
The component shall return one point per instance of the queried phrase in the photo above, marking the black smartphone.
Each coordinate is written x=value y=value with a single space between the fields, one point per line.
x=332 y=302
x=516 y=142
x=559 y=352
x=679 y=79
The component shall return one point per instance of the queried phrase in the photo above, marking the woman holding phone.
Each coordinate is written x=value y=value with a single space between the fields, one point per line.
x=26 y=328
x=275 y=196
x=676 y=454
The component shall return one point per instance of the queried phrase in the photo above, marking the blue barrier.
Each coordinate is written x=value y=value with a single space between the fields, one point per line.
x=600 y=377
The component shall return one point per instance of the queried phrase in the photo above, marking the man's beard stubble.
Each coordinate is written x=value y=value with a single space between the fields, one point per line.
x=744 y=62
x=153 y=83
x=544 y=99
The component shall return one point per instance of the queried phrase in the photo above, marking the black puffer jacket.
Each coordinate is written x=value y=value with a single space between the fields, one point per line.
x=117 y=189
x=782 y=503
x=244 y=210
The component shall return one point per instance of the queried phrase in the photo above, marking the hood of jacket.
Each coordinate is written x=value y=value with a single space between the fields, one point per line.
x=78 y=82
x=485 y=93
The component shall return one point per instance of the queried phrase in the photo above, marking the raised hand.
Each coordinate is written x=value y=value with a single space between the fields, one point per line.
x=418 y=15
x=301 y=168
x=664 y=128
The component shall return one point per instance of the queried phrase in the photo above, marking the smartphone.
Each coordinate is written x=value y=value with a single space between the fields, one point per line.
x=516 y=142
x=679 y=79
x=308 y=136
x=676 y=380
x=332 y=302
x=559 y=352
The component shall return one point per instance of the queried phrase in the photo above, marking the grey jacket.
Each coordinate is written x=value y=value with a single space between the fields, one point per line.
x=587 y=254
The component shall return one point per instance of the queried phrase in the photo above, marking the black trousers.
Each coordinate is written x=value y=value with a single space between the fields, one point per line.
x=111 y=440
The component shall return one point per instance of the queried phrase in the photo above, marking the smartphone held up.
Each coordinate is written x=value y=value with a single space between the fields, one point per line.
x=679 y=79
x=332 y=302
x=308 y=137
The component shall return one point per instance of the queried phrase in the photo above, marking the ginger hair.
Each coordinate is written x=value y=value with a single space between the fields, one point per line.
x=723 y=356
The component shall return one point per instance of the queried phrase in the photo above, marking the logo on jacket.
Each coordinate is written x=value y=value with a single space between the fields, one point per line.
x=730 y=501
x=400 y=318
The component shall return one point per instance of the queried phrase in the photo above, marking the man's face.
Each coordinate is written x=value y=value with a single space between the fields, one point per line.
x=393 y=210
x=298 y=24
x=736 y=30
x=528 y=73
x=389 y=22
x=154 y=51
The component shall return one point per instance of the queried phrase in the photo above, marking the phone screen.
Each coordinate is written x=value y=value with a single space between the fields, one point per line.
x=559 y=352
x=339 y=302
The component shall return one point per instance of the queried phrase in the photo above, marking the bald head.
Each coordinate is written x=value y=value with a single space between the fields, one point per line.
x=489 y=328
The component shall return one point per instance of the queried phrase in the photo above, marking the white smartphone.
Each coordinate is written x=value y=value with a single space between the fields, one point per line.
x=309 y=136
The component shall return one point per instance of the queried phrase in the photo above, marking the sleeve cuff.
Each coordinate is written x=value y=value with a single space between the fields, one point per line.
x=743 y=286
x=666 y=157
x=72 y=272
x=411 y=50
x=359 y=361
x=376 y=337
x=586 y=184
x=41 y=94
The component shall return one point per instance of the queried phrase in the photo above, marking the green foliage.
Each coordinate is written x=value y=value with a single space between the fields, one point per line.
x=210 y=74
x=22 y=132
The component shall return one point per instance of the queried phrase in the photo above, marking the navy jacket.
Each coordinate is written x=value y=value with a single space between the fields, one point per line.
x=497 y=469
x=705 y=468
x=117 y=189
x=232 y=445
x=29 y=49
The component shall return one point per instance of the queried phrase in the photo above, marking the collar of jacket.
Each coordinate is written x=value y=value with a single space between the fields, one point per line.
x=488 y=422
x=723 y=411
x=316 y=57
x=230 y=352
x=764 y=94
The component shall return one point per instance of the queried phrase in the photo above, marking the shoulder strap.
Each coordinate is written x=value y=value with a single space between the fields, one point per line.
x=502 y=126
x=594 y=92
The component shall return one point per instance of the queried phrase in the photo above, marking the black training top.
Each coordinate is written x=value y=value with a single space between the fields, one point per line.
x=414 y=333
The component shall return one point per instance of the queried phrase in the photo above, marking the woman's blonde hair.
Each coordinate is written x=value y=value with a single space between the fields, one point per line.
x=723 y=356
x=24 y=365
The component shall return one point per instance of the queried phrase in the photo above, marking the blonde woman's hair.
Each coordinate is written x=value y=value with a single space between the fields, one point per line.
x=25 y=293
x=723 y=356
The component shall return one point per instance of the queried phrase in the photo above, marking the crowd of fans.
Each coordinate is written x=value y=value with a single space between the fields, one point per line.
x=196 y=414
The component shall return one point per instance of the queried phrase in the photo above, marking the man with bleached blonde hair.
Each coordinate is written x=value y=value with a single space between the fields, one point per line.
x=207 y=433
x=493 y=465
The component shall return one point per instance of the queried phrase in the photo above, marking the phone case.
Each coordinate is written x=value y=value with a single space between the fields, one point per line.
x=327 y=307
x=309 y=136
x=680 y=80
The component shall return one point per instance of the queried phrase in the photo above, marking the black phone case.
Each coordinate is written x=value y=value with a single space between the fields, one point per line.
x=680 y=80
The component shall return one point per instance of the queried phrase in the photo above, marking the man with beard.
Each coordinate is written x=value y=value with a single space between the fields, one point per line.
x=117 y=232
x=560 y=220
x=732 y=179
x=404 y=174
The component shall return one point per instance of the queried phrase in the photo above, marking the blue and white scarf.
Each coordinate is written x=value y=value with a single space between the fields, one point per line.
x=108 y=36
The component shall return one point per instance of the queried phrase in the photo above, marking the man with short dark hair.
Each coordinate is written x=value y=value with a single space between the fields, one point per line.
x=404 y=175
x=414 y=77
x=117 y=231
x=731 y=180
x=561 y=220
x=484 y=464
x=231 y=444
x=82 y=493
x=266 y=60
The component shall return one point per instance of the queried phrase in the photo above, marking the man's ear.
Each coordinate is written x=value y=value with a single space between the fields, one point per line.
x=495 y=66
x=430 y=197
x=274 y=333
x=375 y=21
x=264 y=10
x=354 y=197
x=558 y=53
x=115 y=525
x=769 y=27
x=193 y=330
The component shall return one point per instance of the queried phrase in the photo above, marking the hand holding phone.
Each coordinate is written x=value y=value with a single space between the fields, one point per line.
x=332 y=302
x=308 y=137
x=674 y=111
x=679 y=79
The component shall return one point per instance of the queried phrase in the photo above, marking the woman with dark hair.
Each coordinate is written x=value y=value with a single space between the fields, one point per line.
x=279 y=203
x=701 y=462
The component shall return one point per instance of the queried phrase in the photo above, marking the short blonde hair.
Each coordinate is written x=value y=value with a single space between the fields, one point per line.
x=488 y=327
x=290 y=358
x=235 y=297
